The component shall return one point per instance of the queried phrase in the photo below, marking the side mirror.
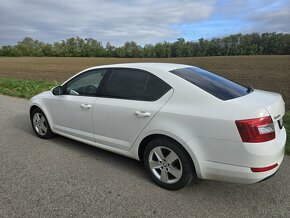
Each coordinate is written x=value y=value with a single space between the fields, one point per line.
x=58 y=90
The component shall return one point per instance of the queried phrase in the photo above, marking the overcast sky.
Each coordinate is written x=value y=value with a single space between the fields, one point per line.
x=147 y=21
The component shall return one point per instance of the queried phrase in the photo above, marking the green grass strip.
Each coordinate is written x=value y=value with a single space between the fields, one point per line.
x=29 y=88
x=24 y=88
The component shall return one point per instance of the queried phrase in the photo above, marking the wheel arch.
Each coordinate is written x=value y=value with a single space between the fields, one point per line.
x=33 y=106
x=189 y=152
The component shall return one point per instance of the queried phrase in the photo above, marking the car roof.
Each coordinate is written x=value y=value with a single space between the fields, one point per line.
x=146 y=66
x=159 y=69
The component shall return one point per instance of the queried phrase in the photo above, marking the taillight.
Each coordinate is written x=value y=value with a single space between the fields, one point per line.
x=256 y=130
x=263 y=169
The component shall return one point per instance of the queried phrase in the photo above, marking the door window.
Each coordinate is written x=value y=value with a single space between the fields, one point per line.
x=86 y=83
x=135 y=84
x=126 y=84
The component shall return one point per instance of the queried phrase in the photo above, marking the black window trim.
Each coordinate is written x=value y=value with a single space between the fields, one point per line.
x=110 y=72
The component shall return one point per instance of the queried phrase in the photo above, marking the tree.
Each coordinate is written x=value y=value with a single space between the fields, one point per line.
x=237 y=44
x=149 y=51
x=132 y=50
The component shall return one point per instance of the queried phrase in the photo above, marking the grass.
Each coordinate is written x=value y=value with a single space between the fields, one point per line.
x=29 y=88
x=24 y=88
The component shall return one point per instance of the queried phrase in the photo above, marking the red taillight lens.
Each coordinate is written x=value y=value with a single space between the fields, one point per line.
x=263 y=169
x=256 y=130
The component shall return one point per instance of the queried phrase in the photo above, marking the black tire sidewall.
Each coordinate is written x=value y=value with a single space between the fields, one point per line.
x=187 y=166
x=49 y=133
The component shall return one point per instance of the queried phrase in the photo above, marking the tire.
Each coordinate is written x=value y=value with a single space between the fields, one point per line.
x=40 y=124
x=168 y=164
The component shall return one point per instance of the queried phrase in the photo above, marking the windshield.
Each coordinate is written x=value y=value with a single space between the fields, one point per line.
x=215 y=85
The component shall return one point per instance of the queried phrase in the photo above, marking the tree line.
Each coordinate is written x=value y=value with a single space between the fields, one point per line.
x=238 y=44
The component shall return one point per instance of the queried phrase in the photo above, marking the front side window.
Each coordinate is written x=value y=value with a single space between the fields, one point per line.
x=135 y=84
x=85 y=84
x=215 y=85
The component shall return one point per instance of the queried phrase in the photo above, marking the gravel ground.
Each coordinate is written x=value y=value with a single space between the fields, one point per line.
x=61 y=177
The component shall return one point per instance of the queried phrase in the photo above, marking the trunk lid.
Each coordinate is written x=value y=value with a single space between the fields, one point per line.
x=272 y=102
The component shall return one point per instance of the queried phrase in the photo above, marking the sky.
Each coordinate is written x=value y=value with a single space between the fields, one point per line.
x=147 y=21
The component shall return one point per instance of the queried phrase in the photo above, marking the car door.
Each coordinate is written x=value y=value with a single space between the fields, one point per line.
x=128 y=102
x=72 y=111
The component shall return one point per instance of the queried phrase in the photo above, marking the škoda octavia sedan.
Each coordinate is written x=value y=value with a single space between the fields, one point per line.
x=183 y=122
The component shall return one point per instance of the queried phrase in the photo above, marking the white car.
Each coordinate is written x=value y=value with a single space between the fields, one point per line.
x=183 y=122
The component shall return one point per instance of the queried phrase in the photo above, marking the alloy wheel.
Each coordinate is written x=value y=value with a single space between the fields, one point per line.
x=40 y=124
x=165 y=164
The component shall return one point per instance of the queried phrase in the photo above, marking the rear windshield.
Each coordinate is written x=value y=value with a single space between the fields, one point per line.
x=215 y=85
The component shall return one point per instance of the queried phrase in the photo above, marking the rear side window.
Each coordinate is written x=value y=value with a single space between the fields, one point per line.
x=126 y=84
x=155 y=89
x=215 y=85
x=135 y=84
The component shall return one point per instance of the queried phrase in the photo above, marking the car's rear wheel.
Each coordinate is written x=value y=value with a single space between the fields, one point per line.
x=40 y=124
x=168 y=164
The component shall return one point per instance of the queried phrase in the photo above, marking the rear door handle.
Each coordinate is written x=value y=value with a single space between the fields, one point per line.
x=86 y=106
x=142 y=114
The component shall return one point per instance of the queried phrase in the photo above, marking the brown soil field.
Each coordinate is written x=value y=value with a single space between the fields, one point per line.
x=262 y=72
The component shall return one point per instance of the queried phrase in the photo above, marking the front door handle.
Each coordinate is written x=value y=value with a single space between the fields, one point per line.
x=142 y=114
x=86 y=106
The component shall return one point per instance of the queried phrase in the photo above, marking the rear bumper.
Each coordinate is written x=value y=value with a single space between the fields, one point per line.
x=268 y=177
x=237 y=174
x=253 y=155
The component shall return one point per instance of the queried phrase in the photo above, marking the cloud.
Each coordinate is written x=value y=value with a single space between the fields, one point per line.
x=277 y=20
x=149 y=21
x=114 y=21
x=241 y=16
x=258 y=15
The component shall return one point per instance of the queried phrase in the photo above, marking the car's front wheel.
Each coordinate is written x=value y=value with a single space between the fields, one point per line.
x=168 y=164
x=40 y=124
